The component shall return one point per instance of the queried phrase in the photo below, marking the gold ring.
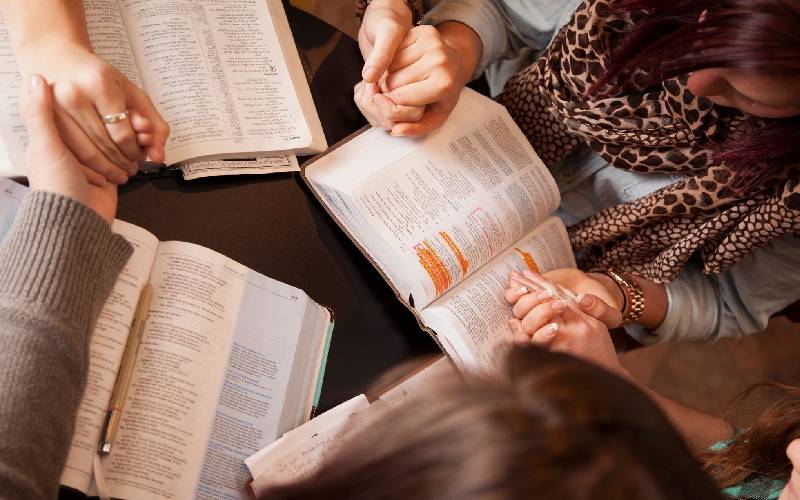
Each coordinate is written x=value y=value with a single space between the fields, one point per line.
x=116 y=117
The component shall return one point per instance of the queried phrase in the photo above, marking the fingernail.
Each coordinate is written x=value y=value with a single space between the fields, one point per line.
x=586 y=301
x=544 y=295
x=559 y=305
x=523 y=290
x=36 y=82
x=550 y=330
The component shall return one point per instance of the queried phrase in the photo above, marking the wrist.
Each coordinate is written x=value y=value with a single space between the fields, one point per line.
x=398 y=10
x=40 y=54
x=613 y=290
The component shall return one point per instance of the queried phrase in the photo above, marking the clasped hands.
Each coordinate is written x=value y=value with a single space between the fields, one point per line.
x=107 y=122
x=412 y=76
x=565 y=310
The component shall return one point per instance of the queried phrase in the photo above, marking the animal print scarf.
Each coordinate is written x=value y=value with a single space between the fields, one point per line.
x=645 y=129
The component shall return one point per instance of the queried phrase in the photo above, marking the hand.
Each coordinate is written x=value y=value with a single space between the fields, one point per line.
x=792 y=489
x=384 y=26
x=560 y=325
x=596 y=294
x=427 y=72
x=51 y=165
x=379 y=110
x=85 y=87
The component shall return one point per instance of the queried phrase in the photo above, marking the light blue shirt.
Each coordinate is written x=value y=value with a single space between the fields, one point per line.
x=702 y=307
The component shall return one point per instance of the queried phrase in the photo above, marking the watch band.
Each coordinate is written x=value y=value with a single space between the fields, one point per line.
x=634 y=296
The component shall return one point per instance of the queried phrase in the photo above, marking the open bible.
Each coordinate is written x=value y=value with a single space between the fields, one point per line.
x=446 y=218
x=225 y=74
x=229 y=361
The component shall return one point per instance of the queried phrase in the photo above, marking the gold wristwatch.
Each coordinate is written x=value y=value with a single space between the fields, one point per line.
x=634 y=304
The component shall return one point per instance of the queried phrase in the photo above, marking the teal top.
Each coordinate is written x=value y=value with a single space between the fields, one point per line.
x=755 y=487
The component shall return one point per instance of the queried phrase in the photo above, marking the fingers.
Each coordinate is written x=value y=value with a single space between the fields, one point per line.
x=435 y=115
x=145 y=118
x=76 y=103
x=93 y=177
x=598 y=309
x=424 y=92
x=396 y=113
x=363 y=94
x=113 y=102
x=541 y=315
x=86 y=152
x=37 y=112
x=545 y=336
x=387 y=39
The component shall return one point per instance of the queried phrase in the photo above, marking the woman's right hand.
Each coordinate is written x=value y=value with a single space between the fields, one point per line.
x=85 y=88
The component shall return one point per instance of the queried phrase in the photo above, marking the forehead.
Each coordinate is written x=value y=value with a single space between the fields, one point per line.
x=776 y=91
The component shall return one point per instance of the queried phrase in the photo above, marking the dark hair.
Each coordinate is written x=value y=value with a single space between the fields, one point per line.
x=761 y=449
x=546 y=426
x=668 y=40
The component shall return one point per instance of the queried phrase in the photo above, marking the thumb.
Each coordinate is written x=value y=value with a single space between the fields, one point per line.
x=37 y=111
x=383 y=50
x=599 y=310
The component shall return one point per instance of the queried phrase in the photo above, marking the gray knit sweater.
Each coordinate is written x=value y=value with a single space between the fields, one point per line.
x=58 y=263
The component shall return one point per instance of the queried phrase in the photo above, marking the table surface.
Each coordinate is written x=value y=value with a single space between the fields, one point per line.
x=273 y=224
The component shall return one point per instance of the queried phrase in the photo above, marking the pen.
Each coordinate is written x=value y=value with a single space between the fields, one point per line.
x=124 y=375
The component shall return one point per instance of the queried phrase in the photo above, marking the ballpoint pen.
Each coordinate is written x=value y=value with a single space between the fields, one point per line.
x=124 y=375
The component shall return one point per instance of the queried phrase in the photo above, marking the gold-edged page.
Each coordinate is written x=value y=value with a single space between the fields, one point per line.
x=106 y=347
x=216 y=72
x=109 y=39
x=472 y=317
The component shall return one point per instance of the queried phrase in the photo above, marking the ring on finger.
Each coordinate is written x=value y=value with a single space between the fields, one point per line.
x=115 y=117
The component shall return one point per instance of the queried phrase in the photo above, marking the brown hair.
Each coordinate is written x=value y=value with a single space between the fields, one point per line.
x=669 y=39
x=546 y=426
x=761 y=449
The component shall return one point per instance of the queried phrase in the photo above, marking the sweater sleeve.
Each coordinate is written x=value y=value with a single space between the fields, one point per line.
x=58 y=264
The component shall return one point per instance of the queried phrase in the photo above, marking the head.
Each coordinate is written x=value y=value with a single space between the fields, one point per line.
x=742 y=54
x=546 y=426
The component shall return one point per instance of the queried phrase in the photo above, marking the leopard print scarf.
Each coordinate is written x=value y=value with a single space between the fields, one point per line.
x=647 y=129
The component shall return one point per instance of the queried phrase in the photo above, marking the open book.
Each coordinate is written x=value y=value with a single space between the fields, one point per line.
x=300 y=452
x=225 y=74
x=229 y=361
x=446 y=218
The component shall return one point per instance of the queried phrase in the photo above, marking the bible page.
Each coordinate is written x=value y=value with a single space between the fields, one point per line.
x=472 y=317
x=169 y=408
x=216 y=73
x=105 y=354
x=110 y=41
x=254 y=392
x=437 y=209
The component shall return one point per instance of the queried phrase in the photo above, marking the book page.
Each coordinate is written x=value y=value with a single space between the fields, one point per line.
x=301 y=452
x=472 y=317
x=254 y=393
x=11 y=195
x=178 y=373
x=105 y=354
x=442 y=206
x=109 y=40
x=215 y=71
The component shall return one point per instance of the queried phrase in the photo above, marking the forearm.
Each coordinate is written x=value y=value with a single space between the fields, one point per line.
x=699 y=429
x=58 y=264
x=45 y=21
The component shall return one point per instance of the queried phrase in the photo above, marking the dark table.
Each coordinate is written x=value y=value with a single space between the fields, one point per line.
x=274 y=225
